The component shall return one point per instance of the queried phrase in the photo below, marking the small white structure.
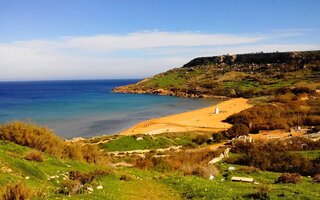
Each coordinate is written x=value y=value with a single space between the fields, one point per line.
x=242 y=179
x=217 y=111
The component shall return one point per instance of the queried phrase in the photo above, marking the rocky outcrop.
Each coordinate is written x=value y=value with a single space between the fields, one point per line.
x=160 y=91
x=299 y=57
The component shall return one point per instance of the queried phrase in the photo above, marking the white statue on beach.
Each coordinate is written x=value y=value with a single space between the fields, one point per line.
x=216 y=110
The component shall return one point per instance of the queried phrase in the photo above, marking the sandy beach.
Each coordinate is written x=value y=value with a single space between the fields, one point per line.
x=202 y=120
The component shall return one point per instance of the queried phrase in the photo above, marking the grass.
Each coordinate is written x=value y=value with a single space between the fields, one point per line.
x=144 y=184
x=167 y=81
x=14 y=168
x=242 y=84
x=309 y=154
x=127 y=143
x=191 y=187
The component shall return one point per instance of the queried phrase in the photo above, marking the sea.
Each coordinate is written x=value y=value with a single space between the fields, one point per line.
x=85 y=108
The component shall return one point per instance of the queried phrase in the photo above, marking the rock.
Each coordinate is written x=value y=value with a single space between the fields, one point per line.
x=90 y=189
x=211 y=177
x=231 y=168
x=99 y=187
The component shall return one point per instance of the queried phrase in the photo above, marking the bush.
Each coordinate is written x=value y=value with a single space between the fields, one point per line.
x=200 y=139
x=44 y=140
x=71 y=187
x=34 y=155
x=316 y=178
x=289 y=178
x=31 y=135
x=218 y=137
x=85 y=178
x=237 y=130
x=77 y=181
x=17 y=191
x=204 y=171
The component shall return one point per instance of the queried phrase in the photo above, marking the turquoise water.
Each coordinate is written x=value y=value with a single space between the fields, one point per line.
x=85 y=108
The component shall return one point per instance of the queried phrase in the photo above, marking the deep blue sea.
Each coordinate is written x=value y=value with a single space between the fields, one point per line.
x=85 y=107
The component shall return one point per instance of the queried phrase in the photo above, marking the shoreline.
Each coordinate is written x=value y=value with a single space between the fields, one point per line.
x=201 y=120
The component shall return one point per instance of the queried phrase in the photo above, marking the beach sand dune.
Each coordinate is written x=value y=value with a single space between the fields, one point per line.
x=202 y=120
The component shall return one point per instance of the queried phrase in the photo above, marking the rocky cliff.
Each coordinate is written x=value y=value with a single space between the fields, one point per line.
x=298 y=57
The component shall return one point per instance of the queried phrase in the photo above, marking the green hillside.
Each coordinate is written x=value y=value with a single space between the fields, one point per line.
x=243 y=75
x=183 y=176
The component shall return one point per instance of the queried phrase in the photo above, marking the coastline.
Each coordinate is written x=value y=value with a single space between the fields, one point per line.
x=201 y=120
x=129 y=89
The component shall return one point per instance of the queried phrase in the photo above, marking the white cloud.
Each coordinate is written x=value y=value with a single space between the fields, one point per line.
x=155 y=40
x=130 y=55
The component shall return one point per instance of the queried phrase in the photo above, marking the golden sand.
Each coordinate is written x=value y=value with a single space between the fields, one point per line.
x=203 y=120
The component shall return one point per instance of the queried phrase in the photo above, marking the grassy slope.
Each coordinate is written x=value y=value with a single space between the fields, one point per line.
x=142 y=184
x=127 y=143
x=181 y=79
x=11 y=157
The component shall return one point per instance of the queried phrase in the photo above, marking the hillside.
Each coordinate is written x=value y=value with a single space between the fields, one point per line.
x=26 y=173
x=243 y=75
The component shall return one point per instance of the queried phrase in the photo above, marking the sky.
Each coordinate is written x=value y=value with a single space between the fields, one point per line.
x=104 y=39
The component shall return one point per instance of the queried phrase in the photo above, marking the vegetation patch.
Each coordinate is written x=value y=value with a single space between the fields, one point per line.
x=17 y=191
x=34 y=156
x=127 y=143
x=44 y=140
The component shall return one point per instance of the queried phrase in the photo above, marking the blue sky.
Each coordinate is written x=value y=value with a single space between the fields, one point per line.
x=76 y=39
